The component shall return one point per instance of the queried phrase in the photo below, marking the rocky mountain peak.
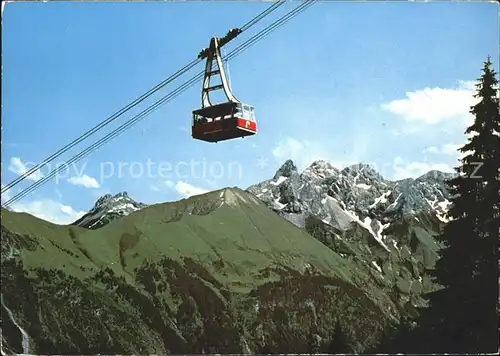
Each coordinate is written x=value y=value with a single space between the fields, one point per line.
x=112 y=200
x=107 y=208
x=362 y=170
x=389 y=226
x=435 y=176
x=353 y=194
x=321 y=169
x=357 y=195
x=105 y=199
x=286 y=170
x=122 y=195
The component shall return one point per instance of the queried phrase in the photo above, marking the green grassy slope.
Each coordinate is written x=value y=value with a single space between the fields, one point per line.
x=243 y=234
x=218 y=272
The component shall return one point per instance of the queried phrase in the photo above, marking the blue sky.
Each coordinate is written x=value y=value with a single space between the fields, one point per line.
x=386 y=83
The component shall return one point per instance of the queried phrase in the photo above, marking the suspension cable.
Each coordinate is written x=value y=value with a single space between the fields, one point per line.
x=131 y=105
x=162 y=101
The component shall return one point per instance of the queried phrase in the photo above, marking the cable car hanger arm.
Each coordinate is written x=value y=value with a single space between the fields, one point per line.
x=213 y=53
x=232 y=33
x=166 y=98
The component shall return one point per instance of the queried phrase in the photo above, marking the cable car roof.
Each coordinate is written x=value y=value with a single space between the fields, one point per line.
x=216 y=110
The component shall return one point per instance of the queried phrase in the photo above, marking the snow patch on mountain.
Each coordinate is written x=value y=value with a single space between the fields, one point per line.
x=381 y=199
x=356 y=195
x=280 y=180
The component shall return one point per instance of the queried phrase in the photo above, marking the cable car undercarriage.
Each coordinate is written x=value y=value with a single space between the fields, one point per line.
x=228 y=120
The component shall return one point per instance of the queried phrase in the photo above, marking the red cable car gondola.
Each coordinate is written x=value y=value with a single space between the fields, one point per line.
x=225 y=121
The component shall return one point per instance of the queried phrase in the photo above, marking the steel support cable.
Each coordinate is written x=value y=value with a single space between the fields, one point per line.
x=131 y=105
x=270 y=28
x=101 y=125
x=161 y=102
x=262 y=15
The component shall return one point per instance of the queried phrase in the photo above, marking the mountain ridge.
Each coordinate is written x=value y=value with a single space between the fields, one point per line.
x=221 y=261
x=110 y=207
x=387 y=226
x=243 y=261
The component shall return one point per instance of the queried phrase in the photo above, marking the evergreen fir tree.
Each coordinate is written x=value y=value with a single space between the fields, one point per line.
x=462 y=316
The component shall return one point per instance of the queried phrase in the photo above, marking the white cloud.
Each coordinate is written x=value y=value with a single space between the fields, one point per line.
x=49 y=210
x=434 y=105
x=185 y=189
x=84 y=181
x=18 y=167
x=448 y=149
x=402 y=169
x=46 y=209
x=188 y=190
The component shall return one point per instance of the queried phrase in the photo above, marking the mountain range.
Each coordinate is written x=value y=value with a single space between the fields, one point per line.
x=283 y=266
